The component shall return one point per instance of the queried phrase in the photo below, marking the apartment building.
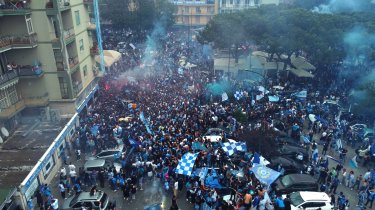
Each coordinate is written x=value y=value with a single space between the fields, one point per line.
x=194 y=12
x=47 y=58
x=228 y=6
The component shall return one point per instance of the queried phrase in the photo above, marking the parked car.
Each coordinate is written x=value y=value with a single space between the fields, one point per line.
x=98 y=164
x=110 y=154
x=295 y=182
x=290 y=166
x=293 y=152
x=310 y=200
x=98 y=201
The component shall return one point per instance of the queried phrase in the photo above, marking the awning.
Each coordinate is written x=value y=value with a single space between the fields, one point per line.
x=111 y=53
x=108 y=61
x=110 y=57
x=301 y=73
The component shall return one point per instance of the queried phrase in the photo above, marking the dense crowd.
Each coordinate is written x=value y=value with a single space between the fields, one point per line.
x=177 y=110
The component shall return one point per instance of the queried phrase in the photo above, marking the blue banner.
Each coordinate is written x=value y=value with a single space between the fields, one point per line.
x=264 y=174
x=144 y=121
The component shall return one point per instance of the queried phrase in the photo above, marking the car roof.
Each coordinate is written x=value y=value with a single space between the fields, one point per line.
x=94 y=163
x=314 y=196
x=302 y=178
x=87 y=196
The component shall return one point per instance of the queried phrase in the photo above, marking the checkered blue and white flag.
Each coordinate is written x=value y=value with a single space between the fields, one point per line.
x=231 y=148
x=186 y=164
x=238 y=95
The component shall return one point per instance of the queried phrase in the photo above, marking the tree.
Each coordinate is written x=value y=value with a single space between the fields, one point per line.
x=283 y=32
x=138 y=14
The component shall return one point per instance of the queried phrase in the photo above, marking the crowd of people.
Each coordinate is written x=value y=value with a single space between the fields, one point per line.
x=159 y=115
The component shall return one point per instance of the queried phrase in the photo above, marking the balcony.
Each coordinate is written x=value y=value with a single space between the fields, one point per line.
x=91 y=26
x=8 y=77
x=37 y=101
x=11 y=8
x=29 y=71
x=69 y=35
x=62 y=5
x=77 y=87
x=8 y=112
x=17 y=42
x=94 y=51
x=87 y=1
x=73 y=64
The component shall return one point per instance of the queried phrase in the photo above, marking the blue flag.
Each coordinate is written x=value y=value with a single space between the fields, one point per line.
x=212 y=180
x=264 y=174
x=256 y=159
x=300 y=94
x=199 y=146
x=273 y=98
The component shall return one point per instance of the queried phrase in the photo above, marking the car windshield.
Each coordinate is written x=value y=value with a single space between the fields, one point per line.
x=296 y=199
x=103 y=199
x=286 y=181
x=74 y=200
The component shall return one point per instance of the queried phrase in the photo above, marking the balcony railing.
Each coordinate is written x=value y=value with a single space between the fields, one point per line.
x=77 y=87
x=94 y=51
x=8 y=77
x=69 y=33
x=30 y=71
x=73 y=62
x=87 y=1
x=62 y=5
x=14 y=8
x=17 y=41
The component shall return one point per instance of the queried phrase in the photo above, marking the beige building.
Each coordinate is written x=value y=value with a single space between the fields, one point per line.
x=228 y=6
x=47 y=65
x=194 y=12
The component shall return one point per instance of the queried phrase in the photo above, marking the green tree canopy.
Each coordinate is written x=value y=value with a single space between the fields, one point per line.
x=138 y=14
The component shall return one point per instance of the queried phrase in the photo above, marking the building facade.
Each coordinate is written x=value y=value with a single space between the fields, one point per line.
x=47 y=64
x=194 y=13
x=228 y=6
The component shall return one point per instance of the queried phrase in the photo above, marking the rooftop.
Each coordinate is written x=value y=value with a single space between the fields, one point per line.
x=20 y=152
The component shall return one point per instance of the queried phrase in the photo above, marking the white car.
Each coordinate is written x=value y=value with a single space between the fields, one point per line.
x=310 y=200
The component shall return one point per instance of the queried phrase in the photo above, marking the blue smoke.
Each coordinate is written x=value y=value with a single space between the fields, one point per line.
x=337 y=6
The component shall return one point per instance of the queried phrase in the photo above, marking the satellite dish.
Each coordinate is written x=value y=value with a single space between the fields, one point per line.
x=5 y=132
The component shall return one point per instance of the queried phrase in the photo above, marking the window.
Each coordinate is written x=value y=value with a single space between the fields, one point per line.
x=313 y=205
x=63 y=88
x=78 y=19
x=247 y=2
x=50 y=164
x=3 y=99
x=29 y=25
x=198 y=10
x=197 y=20
x=85 y=70
x=224 y=2
x=12 y=94
x=230 y=1
x=81 y=47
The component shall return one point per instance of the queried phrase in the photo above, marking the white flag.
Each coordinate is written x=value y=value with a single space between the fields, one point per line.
x=224 y=96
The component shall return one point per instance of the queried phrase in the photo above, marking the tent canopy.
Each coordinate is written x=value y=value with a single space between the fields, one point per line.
x=301 y=73
x=110 y=57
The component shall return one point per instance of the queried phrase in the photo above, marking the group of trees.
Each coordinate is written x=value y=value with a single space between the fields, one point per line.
x=282 y=31
x=286 y=31
x=138 y=14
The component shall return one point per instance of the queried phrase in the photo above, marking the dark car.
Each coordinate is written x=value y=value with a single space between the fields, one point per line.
x=290 y=166
x=295 y=182
x=293 y=152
